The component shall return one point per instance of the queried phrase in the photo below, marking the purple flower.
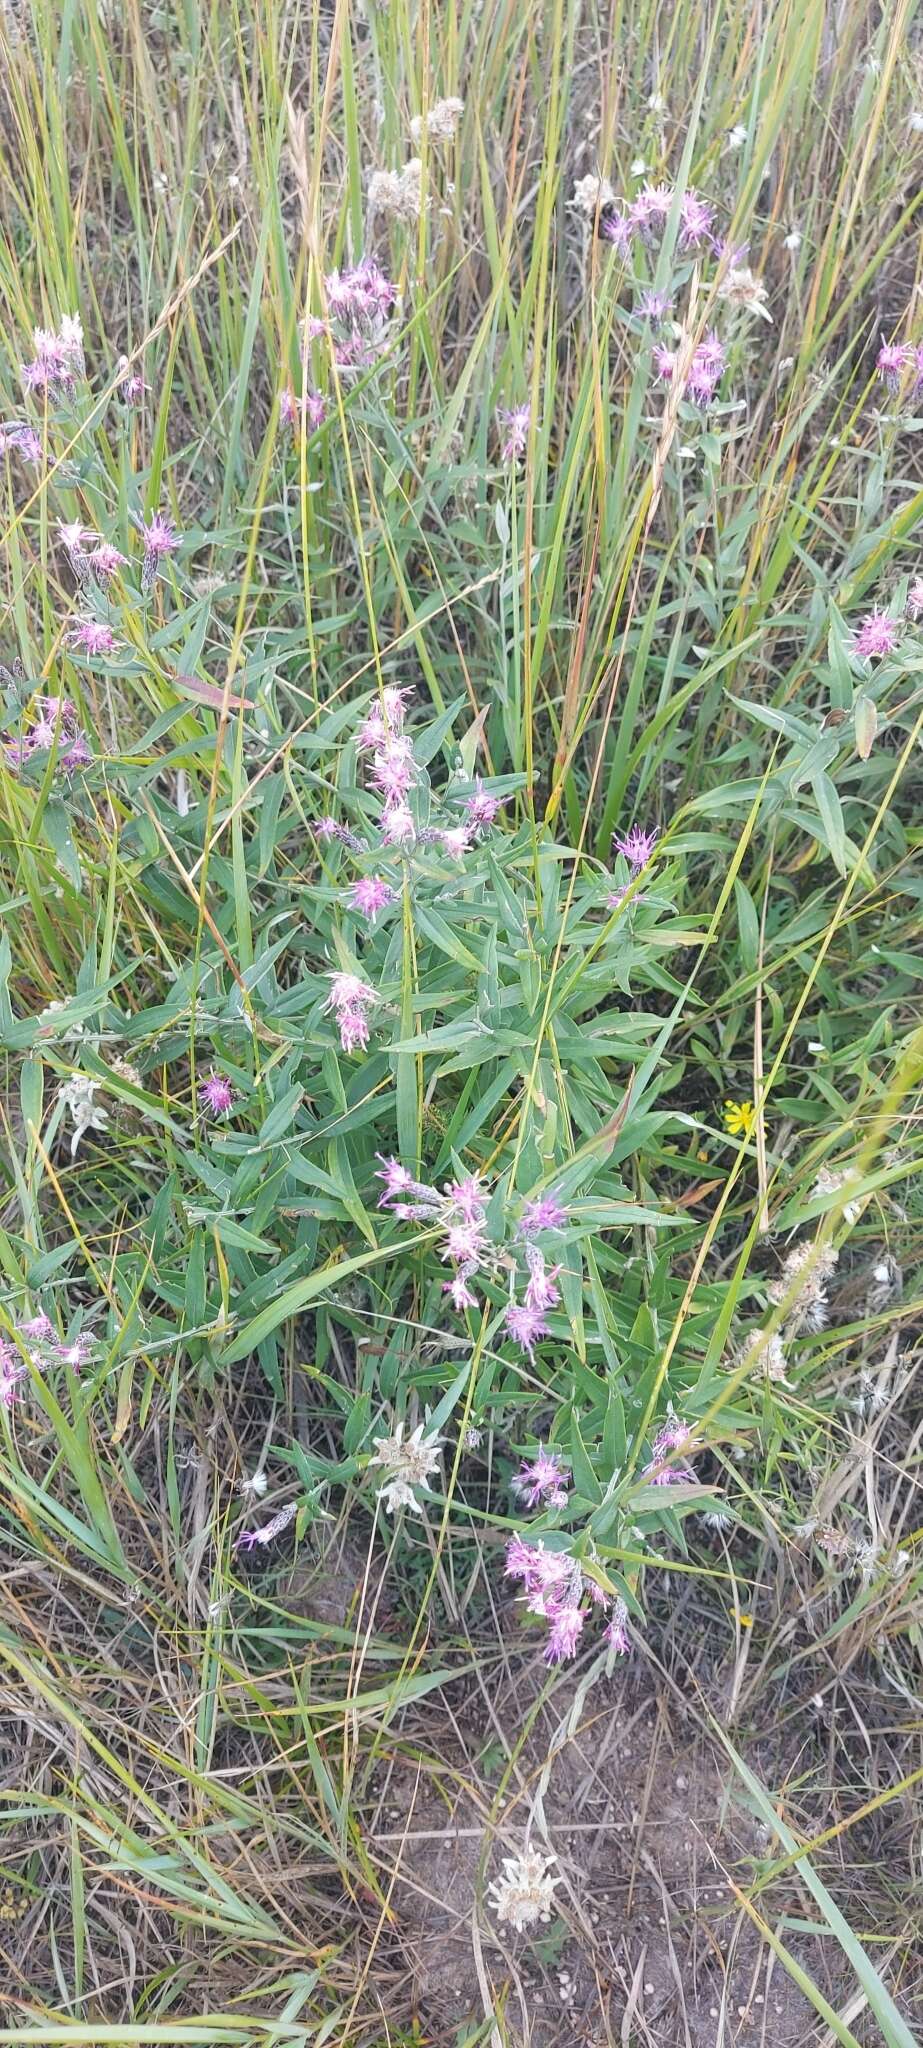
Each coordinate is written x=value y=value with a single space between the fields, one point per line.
x=311 y=408
x=696 y=220
x=517 y=431
x=651 y=208
x=526 y=1326
x=248 y=1537
x=876 y=634
x=76 y=755
x=464 y=1245
x=468 y=1196
x=891 y=362
x=706 y=370
x=637 y=846
x=393 y=767
x=521 y=1559
x=131 y=383
x=615 y=227
x=460 y=1291
x=160 y=540
x=351 y=1000
x=918 y=369
x=12 y=1373
x=544 y=1212
x=481 y=808
x=544 y=1480
x=653 y=305
x=217 y=1094
x=616 y=1635
x=564 y=1635
x=75 y=1352
x=106 y=560
x=39 y=1329
x=541 y=1292
x=915 y=598
x=397 y=825
x=90 y=636
x=674 y=1435
x=74 y=535
x=399 y=1181
x=455 y=840
x=369 y=895
x=664 y=363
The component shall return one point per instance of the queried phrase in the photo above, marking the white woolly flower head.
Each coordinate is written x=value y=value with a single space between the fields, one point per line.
x=525 y=1892
x=591 y=194
x=407 y=1462
x=397 y=193
x=741 y=287
x=441 y=122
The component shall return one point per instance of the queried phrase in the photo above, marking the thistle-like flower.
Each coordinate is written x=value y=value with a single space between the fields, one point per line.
x=160 y=540
x=370 y=895
x=351 y=1000
x=247 y=1538
x=217 y=1094
x=876 y=635
x=542 y=1212
x=637 y=846
x=892 y=363
x=91 y=636
x=526 y=1327
x=542 y=1482
x=516 y=423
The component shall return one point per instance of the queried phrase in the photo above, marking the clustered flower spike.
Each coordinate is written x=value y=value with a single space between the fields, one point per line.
x=359 y=303
x=556 y=1588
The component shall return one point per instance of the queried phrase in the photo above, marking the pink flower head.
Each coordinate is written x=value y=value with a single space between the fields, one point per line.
x=159 y=535
x=706 y=370
x=106 y=561
x=468 y=1197
x=75 y=1352
x=543 y=1481
x=541 y=1292
x=74 y=535
x=665 y=363
x=369 y=895
x=672 y=1437
x=651 y=208
x=351 y=999
x=876 y=634
x=397 y=825
x=76 y=755
x=24 y=439
x=90 y=636
x=399 y=1181
x=521 y=1559
x=39 y=1329
x=460 y=1291
x=892 y=361
x=616 y=1635
x=653 y=305
x=393 y=768
x=615 y=227
x=464 y=1245
x=12 y=1373
x=288 y=407
x=526 y=1326
x=481 y=808
x=915 y=599
x=637 y=846
x=217 y=1094
x=517 y=431
x=455 y=840
x=542 y=1213
x=354 y=1028
x=131 y=383
x=918 y=369
x=564 y=1635
x=696 y=220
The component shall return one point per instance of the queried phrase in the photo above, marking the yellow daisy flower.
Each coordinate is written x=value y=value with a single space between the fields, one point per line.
x=738 y=1119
